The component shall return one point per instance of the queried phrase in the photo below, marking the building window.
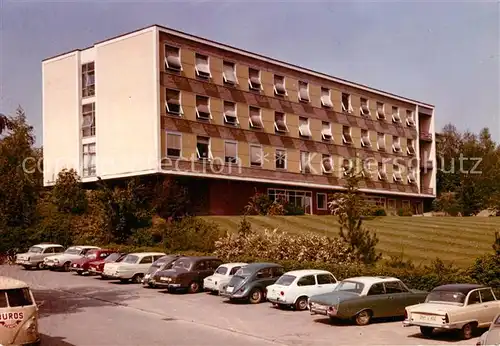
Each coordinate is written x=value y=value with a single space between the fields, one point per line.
x=304 y=129
x=173 y=58
x=174 y=145
x=88 y=121
x=391 y=204
x=347 y=166
x=395 y=115
x=410 y=147
x=203 y=148
x=203 y=108
x=327 y=163
x=346 y=135
x=382 y=174
x=279 y=85
x=365 y=139
x=229 y=73
x=280 y=122
x=321 y=201
x=280 y=159
x=254 y=79
x=364 y=109
x=380 y=141
x=346 y=103
x=202 y=66
x=89 y=160
x=305 y=158
x=231 y=152
x=326 y=98
x=410 y=120
x=396 y=173
x=173 y=102
x=412 y=177
x=256 y=155
x=406 y=204
x=230 y=116
x=296 y=198
x=255 y=118
x=396 y=144
x=380 y=111
x=303 y=91
x=88 y=80
x=326 y=131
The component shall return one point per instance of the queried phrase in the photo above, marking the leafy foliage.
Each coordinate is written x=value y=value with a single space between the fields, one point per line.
x=261 y=204
x=68 y=194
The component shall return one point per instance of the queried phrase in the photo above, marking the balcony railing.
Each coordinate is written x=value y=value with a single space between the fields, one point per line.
x=426 y=164
x=427 y=191
x=425 y=136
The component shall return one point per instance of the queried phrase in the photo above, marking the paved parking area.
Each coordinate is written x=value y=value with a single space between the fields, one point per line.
x=88 y=311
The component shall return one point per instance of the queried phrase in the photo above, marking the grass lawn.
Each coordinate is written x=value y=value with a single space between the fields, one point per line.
x=456 y=239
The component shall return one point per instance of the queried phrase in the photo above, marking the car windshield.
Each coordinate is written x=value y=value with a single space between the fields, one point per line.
x=285 y=280
x=244 y=272
x=73 y=251
x=446 y=297
x=182 y=263
x=35 y=249
x=350 y=286
x=92 y=254
x=113 y=257
x=221 y=270
x=130 y=259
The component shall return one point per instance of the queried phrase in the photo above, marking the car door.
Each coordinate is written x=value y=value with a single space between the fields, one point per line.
x=144 y=264
x=473 y=308
x=264 y=277
x=397 y=296
x=490 y=307
x=326 y=283
x=49 y=251
x=201 y=269
x=376 y=300
x=306 y=286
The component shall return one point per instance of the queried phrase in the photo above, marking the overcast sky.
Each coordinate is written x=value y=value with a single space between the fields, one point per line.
x=445 y=53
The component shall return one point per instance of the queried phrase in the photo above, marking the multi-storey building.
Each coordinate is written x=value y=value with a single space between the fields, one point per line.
x=159 y=101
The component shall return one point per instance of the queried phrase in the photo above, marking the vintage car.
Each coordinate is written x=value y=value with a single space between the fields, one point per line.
x=214 y=283
x=63 y=260
x=96 y=267
x=462 y=307
x=187 y=273
x=366 y=297
x=81 y=266
x=18 y=313
x=36 y=254
x=250 y=282
x=492 y=336
x=160 y=264
x=295 y=287
x=132 y=267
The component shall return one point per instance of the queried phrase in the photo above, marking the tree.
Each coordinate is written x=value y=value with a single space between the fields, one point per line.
x=68 y=194
x=350 y=207
x=171 y=199
x=5 y=123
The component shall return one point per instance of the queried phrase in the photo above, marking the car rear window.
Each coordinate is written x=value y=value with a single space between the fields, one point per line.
x=285 y=280
x=35 y=249
x=19 y=297
x=351 y=286
x=130 y=259
x=445 y=297
x=221 y=270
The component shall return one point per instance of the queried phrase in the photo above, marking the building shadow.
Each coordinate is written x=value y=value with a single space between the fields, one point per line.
x=446 y=335
x=53 y=341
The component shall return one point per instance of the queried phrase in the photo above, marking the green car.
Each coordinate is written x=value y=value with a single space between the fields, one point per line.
x=366 y=297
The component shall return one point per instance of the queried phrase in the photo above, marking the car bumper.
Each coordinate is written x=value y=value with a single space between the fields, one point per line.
x=27 y=263
x=278 y=300
x=407 y=323
x=210 y=286
x=94 y=271
x=76 y=269
x=52 y=265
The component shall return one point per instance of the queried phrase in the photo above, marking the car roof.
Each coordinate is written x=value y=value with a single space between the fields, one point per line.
x=234 y=264
x=370 y=280
x=462 y=288
x=303 y=272
x=147 y=254
x=261 y=265
x=83 y=247
x=46 y=245
x=7 y=283
x=199 y=258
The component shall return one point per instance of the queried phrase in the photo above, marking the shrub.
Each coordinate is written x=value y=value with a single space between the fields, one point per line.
x=191 y=233
x=291 y=209
x=376 y=211
x=406 y=211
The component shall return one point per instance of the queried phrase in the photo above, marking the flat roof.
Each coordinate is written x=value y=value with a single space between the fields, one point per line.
x=255 y=56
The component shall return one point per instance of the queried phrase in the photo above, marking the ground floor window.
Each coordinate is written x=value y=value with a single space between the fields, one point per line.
x=321 y=201
x=391 y=204
x=377 y=201
x=297 y=198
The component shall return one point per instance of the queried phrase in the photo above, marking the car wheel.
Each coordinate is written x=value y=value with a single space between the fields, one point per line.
x=194 y=287
x=255 y=296
x=301 y=304
x=137 y=278
x=426 y=331
x=467 y=331
x=79 y=272
x=123 y=281
x=27 y=267
x=363 y=318
x=66 y=267
x=39 y=266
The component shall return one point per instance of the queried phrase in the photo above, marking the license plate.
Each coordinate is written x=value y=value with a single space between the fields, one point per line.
x=230 y=289
x=427 y=318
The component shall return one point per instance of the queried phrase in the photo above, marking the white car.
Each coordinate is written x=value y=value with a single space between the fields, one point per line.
x=295 y=287
x=215 y=283
x=36 y=254
x=63 y=260
x=462 y=307
x=492 y=336
x=132 y=267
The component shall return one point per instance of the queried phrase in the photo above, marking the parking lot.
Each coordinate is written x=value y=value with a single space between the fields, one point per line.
x=88 y=311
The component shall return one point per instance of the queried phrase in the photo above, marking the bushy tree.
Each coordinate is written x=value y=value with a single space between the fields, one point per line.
x=68 y=195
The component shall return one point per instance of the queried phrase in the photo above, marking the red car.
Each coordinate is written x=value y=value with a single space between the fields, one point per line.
x=81 y=266
x=97 y=267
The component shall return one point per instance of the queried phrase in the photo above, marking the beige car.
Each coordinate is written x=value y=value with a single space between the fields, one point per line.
x=462 y=307
x=18 y=314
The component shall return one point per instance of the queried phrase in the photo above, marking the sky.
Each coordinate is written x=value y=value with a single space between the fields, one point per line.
x=444 y=53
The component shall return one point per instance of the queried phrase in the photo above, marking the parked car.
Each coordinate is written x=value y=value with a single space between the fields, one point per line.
x=250 y=282
x=187 y=273
x=492 y=336
x=81 y=266
x=366 y=297
x=18 y=313
x=63 y=260
x=160 y=264
x=215 y=283
x=295 y=287
x=132 y=267
x=96 y=267
x=462 y=307
x=36 y=254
